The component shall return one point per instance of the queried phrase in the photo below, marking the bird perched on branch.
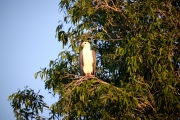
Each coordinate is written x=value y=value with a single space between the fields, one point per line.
x=87 y=59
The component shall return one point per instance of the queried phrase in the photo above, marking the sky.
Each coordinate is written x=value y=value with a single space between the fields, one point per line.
x=27 y=43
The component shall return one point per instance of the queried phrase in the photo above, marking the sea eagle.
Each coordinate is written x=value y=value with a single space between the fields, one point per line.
x=87 y=59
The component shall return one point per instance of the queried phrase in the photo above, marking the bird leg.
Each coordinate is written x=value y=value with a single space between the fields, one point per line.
x=87 y=74
x=90 y=75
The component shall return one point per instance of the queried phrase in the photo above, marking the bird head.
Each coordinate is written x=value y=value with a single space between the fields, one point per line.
x=85 y=45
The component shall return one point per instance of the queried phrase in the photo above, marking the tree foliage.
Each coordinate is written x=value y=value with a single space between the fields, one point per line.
x=138 y=57
x=27 y=104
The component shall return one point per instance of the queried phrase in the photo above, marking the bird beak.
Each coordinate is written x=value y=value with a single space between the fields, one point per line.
x=82 y=45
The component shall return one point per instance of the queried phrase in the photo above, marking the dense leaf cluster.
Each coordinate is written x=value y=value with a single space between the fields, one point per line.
x=27 y=104
x=138 y=57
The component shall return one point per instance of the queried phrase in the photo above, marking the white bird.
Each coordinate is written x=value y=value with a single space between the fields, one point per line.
x=87 y=59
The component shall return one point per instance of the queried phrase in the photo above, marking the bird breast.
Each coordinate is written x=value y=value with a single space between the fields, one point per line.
x=87 y=57
x=88 y=61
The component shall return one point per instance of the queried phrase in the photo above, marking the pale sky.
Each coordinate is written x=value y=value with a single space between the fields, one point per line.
x=27 y=43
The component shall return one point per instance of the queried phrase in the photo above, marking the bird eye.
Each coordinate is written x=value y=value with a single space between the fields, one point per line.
x=85 y=43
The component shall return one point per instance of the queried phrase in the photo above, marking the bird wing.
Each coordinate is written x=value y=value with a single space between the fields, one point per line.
x=94 y=62
x=81 y=63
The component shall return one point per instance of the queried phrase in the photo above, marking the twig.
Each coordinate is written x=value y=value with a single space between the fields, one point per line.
x=76 y=83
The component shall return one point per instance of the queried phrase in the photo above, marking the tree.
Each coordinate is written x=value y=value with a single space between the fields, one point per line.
x=138 y=57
